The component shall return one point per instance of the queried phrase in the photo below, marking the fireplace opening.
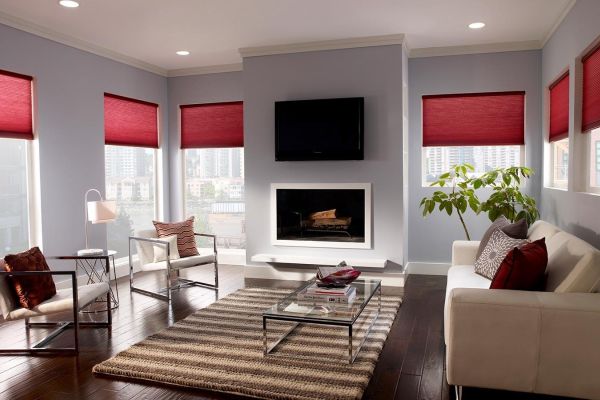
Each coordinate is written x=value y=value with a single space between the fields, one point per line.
x=324 y=215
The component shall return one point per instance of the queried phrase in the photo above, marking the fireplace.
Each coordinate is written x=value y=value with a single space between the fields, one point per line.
x=336 y=215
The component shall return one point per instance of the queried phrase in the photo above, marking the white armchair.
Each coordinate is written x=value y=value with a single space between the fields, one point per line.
x=73 y=299
x=147 y=241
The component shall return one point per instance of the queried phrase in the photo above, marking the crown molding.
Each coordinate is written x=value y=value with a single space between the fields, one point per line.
x=475 y=49
x=71 y=41
x=369 y=41
x=210 y=69
x=559 y=21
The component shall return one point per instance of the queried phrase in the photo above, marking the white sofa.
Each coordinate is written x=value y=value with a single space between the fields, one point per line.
x=540 y=342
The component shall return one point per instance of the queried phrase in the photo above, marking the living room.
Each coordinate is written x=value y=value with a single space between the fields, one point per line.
x=185 y=109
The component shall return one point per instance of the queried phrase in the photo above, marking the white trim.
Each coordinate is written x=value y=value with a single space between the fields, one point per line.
x=396 y=279
x=71 y=41
x=349 y=43
x=317 y=243
x=423 y=268
x=475 y=49
x=311 y=260
x=209 y=69
x=558 y=22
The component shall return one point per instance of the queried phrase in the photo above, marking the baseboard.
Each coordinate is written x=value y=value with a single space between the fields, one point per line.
x=423 y=268
x=268 y=271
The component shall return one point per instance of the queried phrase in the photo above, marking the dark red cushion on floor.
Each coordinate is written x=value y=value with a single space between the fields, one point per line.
x=523 y=268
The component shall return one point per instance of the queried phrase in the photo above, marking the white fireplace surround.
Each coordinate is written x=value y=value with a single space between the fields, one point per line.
x=366 y=187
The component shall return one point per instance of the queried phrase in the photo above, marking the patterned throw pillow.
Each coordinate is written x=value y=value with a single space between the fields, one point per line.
x=186 y=240
x=494 y=253
x=30 y=290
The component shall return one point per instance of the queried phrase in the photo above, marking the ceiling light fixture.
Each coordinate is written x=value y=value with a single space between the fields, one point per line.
x=182 y=53
x=476 y=25
x=69 y=3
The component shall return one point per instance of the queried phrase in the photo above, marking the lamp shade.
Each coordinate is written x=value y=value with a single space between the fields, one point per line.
x=100 y=212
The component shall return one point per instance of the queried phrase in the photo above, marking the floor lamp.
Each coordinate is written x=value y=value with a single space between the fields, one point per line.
x=96 y=212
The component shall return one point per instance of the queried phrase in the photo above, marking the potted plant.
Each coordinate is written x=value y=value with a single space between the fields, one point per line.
x=506 y=198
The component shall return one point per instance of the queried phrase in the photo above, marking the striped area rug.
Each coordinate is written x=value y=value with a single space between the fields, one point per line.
x=220 y=348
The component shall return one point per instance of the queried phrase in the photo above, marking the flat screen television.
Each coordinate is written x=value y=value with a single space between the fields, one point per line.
x=324 y=129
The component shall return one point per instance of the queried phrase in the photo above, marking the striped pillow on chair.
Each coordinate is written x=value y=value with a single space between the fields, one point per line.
x=186 y=241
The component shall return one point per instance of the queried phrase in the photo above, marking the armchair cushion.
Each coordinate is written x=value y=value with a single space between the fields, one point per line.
x=186 y=240
x=30 y=291
x=62 y=301
x=7 y=296
x=181 y=263
x=160 y=252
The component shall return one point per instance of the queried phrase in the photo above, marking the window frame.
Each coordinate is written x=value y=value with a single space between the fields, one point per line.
x=590 y=161
x=552 y=183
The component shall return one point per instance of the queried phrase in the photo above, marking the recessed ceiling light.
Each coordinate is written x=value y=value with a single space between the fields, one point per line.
x=68 y=3
x=476 y=25
x=182 y=53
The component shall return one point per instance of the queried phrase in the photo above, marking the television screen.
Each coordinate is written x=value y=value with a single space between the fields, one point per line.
x=326 y=129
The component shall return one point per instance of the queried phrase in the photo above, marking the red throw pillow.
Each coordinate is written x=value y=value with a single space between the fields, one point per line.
x=186 y=240
x=523 y=268
x=30 y=290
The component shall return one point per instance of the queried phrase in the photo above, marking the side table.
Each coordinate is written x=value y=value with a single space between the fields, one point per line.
x=97 y=269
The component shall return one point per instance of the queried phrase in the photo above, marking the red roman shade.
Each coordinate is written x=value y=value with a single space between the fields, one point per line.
x=16 y=119
x=591 y=90
x=212 y=125
x=559 y=109
x=130 y=122
x=474 y=119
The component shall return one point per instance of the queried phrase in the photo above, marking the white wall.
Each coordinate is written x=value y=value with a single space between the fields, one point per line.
x=572 y=211
x=430 y=239
x=69 y=119
x=196 y=89
x=374 y=73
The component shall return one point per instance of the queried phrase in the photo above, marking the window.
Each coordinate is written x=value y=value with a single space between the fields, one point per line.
x=212 y=139
x=559 y=151
x=131 y=137
x=214 y=194
x=16 y=130
x=486 y=130
x=484 y=158
x=131 y=182
x=594 y=182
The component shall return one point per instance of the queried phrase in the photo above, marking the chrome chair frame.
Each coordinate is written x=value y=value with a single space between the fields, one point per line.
x=40 y=346
x=181 y=282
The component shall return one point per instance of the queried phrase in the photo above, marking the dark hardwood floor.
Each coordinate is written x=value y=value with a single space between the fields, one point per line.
x=411 y=365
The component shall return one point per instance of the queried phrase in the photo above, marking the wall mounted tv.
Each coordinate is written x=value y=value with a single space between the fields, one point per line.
x=324 y=129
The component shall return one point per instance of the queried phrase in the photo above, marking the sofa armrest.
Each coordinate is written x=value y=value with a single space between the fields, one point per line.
x=464 y=252
x=524 y=341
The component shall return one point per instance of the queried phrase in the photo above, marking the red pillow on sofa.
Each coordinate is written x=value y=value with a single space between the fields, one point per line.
x=30 y=290
x=523 y=268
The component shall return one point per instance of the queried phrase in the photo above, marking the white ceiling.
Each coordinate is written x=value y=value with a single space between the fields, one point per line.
x=150 y=31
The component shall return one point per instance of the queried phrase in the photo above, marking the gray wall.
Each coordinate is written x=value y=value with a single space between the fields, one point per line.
x=373 y=72
x=69 y=118
x=194 y=89
x=573 y=211
x=430 y=239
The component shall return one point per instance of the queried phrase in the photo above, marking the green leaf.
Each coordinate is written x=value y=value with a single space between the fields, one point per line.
x=449 y=208
x=445 y=175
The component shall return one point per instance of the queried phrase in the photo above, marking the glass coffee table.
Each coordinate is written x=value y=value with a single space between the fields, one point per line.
x=293 y=309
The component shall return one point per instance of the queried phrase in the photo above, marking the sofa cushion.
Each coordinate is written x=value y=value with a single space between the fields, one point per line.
x=572 y=265
x=500 y=222
x=523 y=268
x=186 y=240
x=516 y=230
x=33 y=290
x=7 y=293
x=494 y=253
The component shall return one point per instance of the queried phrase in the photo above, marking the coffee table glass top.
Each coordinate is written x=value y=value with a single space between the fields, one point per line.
x=311 y=310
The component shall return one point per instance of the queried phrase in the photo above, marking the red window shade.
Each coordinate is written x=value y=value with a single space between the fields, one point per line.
x=130 y=122
x=591 y=91
x=212 y=125
x=474 y=119
x=15 y=106
x=559 y=109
